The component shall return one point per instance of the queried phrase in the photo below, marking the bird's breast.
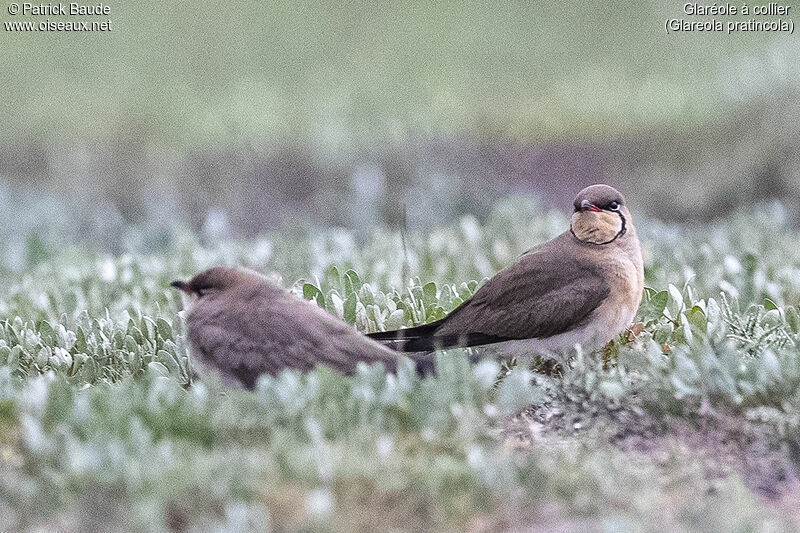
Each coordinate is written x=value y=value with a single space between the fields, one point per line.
x=626 y=284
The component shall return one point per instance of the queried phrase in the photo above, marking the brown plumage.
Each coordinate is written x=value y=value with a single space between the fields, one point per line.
x=243 y=327
x=583 y=287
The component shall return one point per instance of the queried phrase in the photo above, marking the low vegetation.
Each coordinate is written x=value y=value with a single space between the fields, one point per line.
x=687 y=421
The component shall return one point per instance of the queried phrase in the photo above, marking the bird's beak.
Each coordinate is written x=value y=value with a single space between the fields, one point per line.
x=182 y=285
x=586 y=205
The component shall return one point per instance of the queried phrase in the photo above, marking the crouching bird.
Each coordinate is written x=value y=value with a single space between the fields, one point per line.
x=583 y=287
x=243 y=327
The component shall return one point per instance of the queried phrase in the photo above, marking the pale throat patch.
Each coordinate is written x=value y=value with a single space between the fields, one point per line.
x=596 y=227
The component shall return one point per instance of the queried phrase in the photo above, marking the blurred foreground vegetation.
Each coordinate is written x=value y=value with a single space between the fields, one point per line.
x=691 y=424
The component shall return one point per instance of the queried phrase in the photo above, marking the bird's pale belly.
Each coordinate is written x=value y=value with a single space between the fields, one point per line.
x=590 y=337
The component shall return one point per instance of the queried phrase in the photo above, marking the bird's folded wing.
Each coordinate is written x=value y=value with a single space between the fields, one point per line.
x=541 y=295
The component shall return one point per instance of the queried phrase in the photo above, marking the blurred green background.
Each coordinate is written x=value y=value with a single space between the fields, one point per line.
x=251 y=116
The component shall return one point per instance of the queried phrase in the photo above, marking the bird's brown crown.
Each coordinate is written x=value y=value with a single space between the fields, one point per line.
x=214 y=279
x=600 y=195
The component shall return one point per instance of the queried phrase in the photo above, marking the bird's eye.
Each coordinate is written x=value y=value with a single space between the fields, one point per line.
x=614 y=206
x=203 y=291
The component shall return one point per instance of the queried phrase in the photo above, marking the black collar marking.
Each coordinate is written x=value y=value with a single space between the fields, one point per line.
x=619 y=234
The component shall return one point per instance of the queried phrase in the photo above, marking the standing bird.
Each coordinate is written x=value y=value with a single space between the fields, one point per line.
x=244 y=327
x=583 y=287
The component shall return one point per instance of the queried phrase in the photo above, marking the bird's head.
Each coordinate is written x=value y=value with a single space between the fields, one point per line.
x=212 y=281
x=600 y=216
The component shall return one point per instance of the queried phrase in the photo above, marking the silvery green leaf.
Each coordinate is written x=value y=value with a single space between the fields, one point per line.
x=366 y=295
x=486 y=373
x=158 y=369
x=336 y=304
x=686 y=329
x=349 y=308
x=14 y=356
x=395 y=320
x=771 y=364
x=168 y=360
x=612 y=390
x=43 y=355
x=676 y=303
x=516 y=391
x=713 y=312
x=164 y=328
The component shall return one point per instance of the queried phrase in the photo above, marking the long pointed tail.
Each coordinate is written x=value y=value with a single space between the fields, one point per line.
x=424 y=339
x=416 y=339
